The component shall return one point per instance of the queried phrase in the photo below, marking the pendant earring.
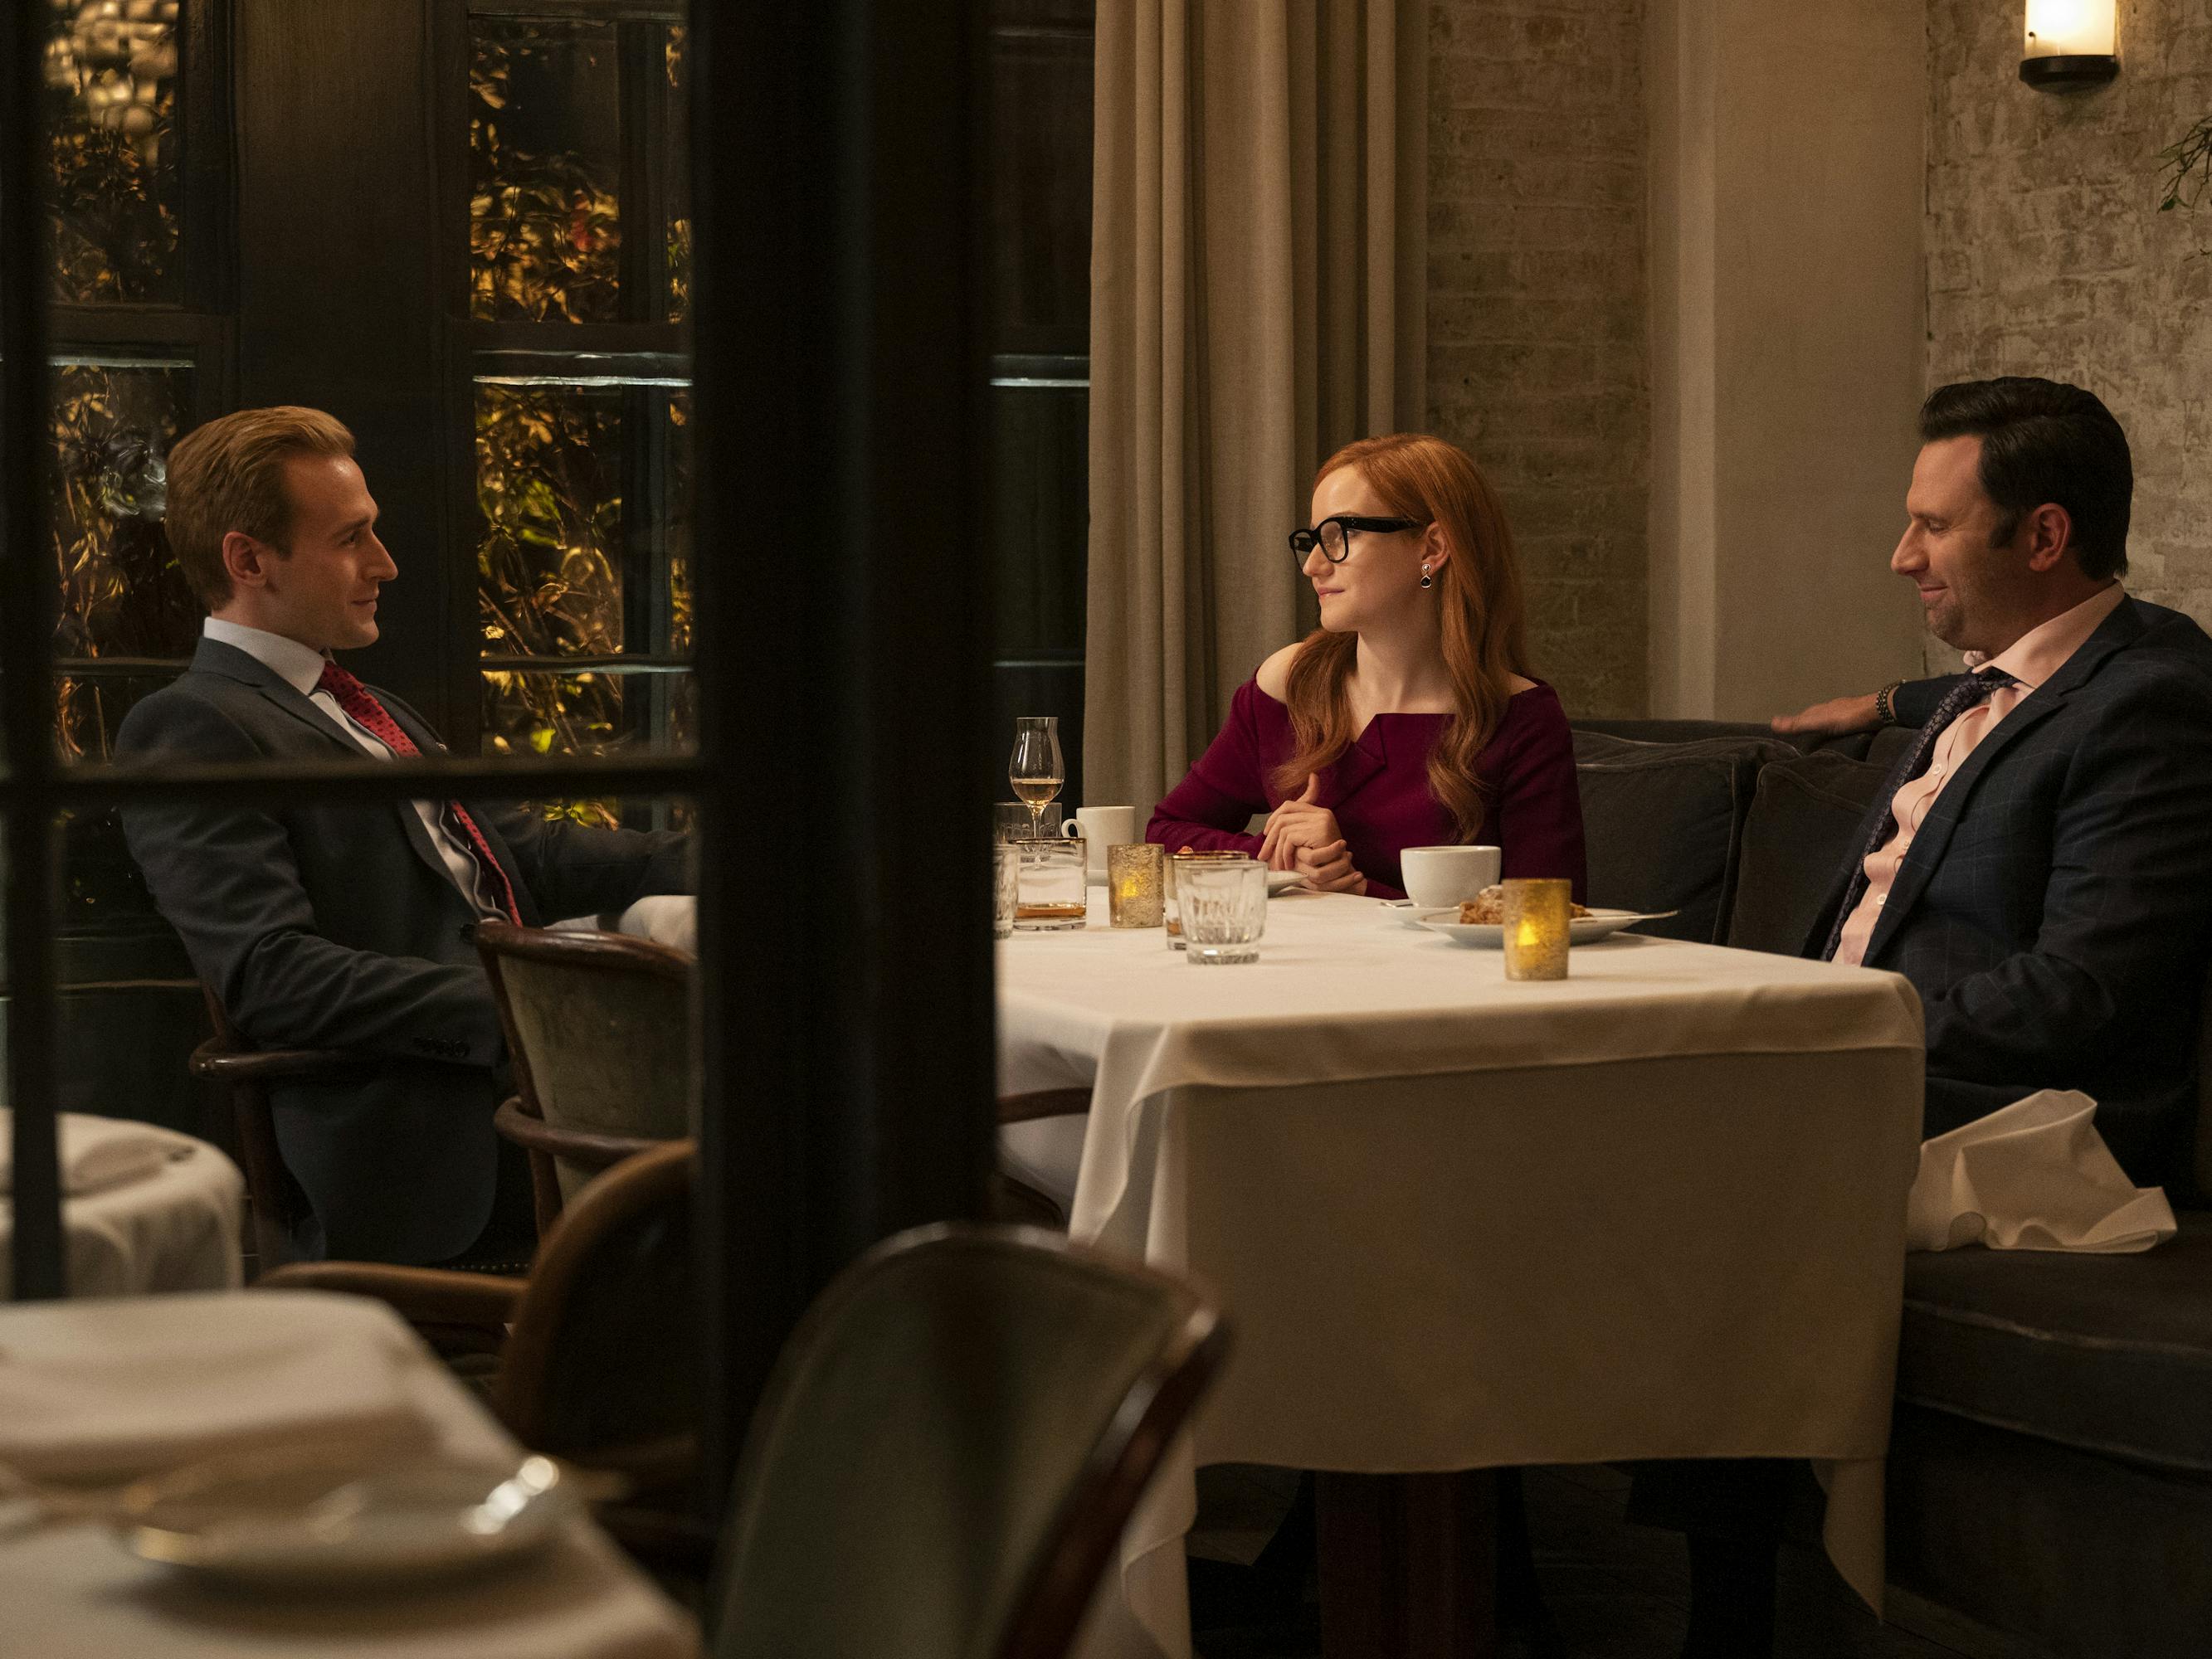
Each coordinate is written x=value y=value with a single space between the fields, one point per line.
x=1425 y=582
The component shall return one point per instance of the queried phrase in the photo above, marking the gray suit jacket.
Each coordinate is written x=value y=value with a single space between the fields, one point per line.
x=339 y=927
x=2055 y=910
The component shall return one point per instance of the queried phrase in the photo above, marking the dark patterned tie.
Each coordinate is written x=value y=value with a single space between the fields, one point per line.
x=1972 y=689
x=360 y=703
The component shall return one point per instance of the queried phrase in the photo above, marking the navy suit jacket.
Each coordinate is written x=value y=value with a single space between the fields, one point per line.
x=327 y=926
x=2055 y=909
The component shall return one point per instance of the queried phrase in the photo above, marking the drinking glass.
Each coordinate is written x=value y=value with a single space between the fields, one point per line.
x=1224 y=911
x=1013 y=820
x=1134 y=876
x=1006 y=887
x=1537 y=912
x=1051 y=894
x=1036 y=770
x=1170 y=904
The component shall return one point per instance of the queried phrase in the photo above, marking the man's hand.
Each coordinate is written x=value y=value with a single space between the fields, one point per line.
x=1831 y=718
x=1329 y=869
x=1298 y=823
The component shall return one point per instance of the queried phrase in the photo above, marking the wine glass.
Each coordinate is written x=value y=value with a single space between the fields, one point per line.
x=1037 y=770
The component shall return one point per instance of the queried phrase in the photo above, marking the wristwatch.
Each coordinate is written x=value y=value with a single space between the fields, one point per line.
x=1883 y=711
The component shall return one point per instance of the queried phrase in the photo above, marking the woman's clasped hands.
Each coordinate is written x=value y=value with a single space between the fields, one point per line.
x=1303 y=835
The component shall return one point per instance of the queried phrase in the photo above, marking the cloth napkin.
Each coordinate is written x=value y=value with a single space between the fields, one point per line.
x=666 y=918
x=96 y=1152
x=2035 y=1175
x=112 y=1389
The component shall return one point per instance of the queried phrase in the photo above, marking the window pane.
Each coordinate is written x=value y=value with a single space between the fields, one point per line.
x=677 y=158
x=592 y=714
x=544 y=142
x=561 y=569
x=548 y=483
x=122 y=594
x=89 y=710
x=111 y=118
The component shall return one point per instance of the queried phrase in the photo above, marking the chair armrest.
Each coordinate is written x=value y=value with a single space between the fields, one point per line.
x=422 y=1296
x=1044 y=1103
x=217 y=1062
x=592 y=1151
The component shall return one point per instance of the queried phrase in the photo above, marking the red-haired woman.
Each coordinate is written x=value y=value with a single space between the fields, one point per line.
x=1407 y=719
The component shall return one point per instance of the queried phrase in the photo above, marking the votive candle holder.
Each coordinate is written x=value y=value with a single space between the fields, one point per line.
x=1136 y=878
x=1537 y=912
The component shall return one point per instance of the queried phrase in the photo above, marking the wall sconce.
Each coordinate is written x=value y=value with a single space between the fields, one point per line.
x=2070 y=44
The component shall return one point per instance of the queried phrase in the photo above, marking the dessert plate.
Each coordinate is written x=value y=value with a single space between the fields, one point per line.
x=1490 y=935
x=323 y=1522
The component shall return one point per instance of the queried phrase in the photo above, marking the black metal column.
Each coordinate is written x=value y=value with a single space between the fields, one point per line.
x=844 y=591
x=27 y=628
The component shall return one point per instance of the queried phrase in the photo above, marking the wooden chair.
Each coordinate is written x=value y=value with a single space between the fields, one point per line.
x=601 y=1365
x=951 y=1446
x=598 y=1032
x=274 y=1204
x=1014 y=1200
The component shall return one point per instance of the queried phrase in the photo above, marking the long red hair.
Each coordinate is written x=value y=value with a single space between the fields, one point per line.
x=1478 y=597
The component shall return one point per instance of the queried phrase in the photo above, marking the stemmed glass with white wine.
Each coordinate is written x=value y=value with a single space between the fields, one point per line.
x=1037 y=770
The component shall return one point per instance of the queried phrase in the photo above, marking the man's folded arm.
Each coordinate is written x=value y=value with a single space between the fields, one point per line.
x=2127 y=908
x=579 y=870
x=1914 y=702
x=228 y=882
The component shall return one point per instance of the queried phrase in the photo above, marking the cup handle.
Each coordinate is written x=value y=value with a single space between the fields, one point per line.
x=1070 y=829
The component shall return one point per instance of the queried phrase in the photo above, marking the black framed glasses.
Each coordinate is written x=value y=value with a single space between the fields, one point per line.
x=1334 y=535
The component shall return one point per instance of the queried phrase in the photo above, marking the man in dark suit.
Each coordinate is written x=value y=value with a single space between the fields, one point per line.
x=2038 y=863
x=347 y=926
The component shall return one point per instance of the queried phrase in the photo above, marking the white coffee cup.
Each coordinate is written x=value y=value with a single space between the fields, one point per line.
x=1102 y=826
x=1439 y=876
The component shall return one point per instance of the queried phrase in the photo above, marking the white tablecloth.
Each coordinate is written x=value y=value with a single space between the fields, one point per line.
x=1655 y=1211
x=176 y=1229
x=73 y=1593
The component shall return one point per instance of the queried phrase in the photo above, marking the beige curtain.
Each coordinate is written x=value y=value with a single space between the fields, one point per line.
x=1257 y=282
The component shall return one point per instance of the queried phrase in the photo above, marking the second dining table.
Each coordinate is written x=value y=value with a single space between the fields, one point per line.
x=1654 y=1210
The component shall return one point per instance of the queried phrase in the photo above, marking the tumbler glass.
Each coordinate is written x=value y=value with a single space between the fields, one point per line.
x=1224 y=911
x=1172 y=904
x=1051 y=895
x=1005 y=886
x=1010 y=820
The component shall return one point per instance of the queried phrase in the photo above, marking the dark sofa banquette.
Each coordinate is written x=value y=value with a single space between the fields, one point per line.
x=2051 y=1470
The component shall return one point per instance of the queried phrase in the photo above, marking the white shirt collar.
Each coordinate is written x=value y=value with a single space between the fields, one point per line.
x=300 y=666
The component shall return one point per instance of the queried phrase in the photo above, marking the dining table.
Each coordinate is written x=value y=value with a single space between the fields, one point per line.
x=1654 y=1210
x=93 y=1393
x=145 y=1209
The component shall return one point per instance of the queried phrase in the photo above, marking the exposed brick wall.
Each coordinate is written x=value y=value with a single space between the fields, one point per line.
x=1537 y=324
x=2047 y=255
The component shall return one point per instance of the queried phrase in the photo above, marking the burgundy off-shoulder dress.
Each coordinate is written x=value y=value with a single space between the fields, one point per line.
x=1379 y=789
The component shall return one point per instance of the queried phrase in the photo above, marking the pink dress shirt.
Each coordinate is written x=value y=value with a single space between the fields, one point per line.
x=2032 y=658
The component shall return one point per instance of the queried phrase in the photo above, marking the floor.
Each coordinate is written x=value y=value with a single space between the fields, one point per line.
x=1620 y=1592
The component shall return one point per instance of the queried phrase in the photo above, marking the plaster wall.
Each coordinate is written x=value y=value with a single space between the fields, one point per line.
x=1787 y=302
x=2047 y=255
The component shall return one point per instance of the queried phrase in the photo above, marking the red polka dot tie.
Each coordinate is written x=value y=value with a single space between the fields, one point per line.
x=361 y=705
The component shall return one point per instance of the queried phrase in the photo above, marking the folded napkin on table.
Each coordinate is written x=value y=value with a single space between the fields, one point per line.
x=2035 y=1175
x=97 y=1152
x=111 y=1389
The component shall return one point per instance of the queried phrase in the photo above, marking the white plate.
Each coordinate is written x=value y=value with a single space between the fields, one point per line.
x=1490 y=935
x=1405 y=912
x=309 y=1521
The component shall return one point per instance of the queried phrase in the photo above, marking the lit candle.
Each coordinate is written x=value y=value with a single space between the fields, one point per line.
x=1537 y=915
x=1134 y=880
